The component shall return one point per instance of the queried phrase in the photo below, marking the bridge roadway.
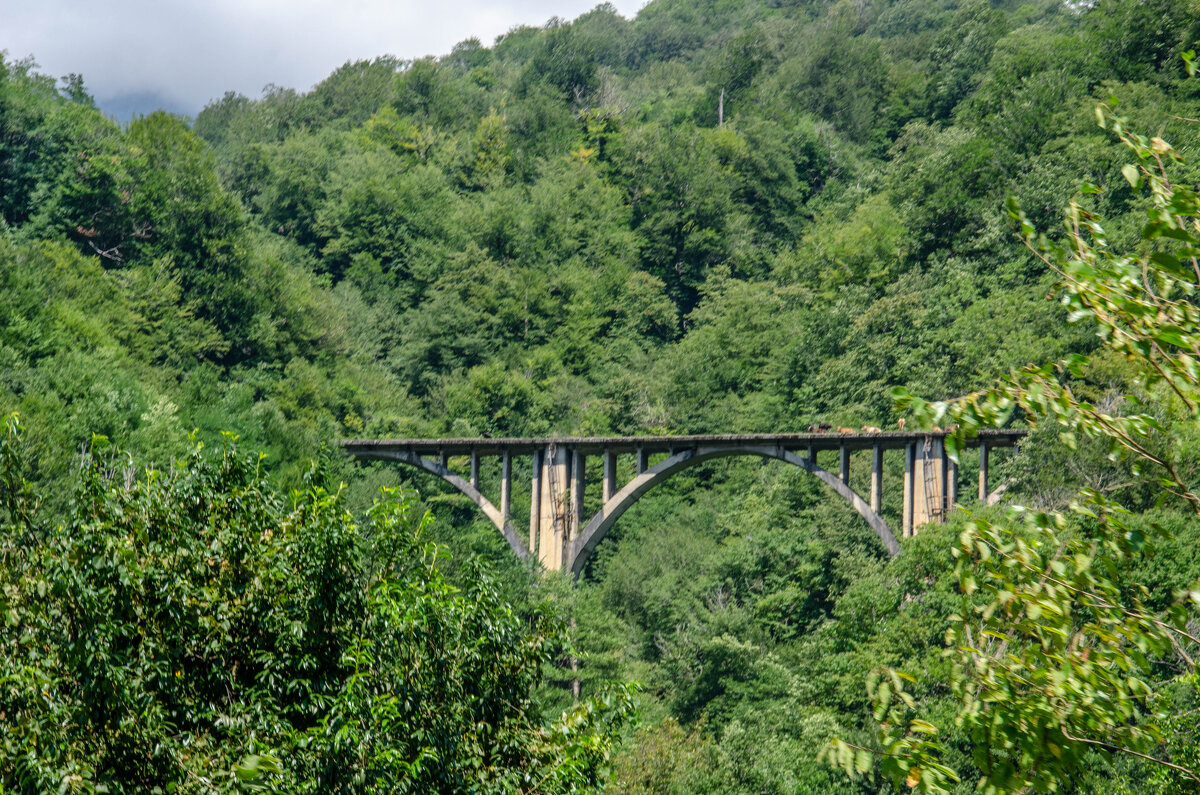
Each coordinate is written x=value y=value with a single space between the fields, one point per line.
x=560 y=538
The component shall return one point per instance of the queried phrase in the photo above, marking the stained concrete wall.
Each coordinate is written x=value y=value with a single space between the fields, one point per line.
x=929 y=488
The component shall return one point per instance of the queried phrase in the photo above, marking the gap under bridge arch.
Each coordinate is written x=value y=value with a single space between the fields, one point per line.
x=598 y=526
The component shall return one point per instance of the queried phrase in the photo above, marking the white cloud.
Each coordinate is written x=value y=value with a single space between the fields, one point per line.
x=188 y=52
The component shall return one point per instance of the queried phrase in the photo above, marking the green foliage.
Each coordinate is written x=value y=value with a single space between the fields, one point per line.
x=907 y=751
x=552 y=234
x=1057 y=651
x=194 y=629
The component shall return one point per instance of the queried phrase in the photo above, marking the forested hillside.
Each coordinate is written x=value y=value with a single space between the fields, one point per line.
x=719 y=216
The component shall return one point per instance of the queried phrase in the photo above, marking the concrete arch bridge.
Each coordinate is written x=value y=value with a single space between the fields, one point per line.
x=561 y=537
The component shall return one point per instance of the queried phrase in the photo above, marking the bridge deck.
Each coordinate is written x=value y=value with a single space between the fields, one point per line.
x=829 y=440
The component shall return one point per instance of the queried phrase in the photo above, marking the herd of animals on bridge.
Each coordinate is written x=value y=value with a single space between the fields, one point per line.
x=560 y=538
x=824 y=427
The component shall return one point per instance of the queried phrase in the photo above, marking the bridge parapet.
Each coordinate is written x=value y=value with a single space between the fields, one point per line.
x=559 y=537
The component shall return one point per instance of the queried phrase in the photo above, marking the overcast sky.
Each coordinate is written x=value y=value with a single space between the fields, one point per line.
x=180 y=54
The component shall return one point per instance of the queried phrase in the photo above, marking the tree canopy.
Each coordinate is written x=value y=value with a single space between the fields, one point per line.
x=718 y=216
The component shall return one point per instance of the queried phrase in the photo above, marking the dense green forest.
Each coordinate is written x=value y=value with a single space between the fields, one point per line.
x=719 y=216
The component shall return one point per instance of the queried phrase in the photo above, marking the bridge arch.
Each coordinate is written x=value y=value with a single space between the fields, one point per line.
x=494 y=515
x=599 y=525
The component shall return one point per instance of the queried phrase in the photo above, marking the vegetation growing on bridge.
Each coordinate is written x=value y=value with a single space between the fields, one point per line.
x=558 y=234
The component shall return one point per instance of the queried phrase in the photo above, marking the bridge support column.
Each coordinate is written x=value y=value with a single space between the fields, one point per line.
x=906 y=521
x=554 y=522
x=983 y=472
x=535 y=505
x=876 y=478
x=506 y=485
x=610 y=476
x=929 y=482
x=578 y=485
x=844 y=464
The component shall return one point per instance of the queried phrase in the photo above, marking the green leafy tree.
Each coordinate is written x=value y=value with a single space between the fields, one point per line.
x=1056 y=649
x=565 y=61
x=960 y=55
x=194 y=630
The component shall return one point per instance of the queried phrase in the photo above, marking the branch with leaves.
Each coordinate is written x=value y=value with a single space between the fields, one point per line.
x=1055 y=652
